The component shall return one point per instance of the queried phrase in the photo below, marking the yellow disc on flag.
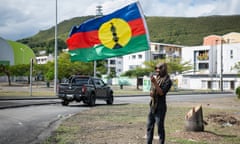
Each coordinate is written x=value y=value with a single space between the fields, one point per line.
x=115 y=33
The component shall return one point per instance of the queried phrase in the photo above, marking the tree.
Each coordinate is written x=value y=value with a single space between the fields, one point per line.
x=237 y=67
x=174 y=66
x=5 y=69
x=51 y=43
x=20 y=70
x=66 y=68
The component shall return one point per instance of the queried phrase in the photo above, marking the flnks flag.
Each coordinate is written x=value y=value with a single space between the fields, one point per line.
x=119 y=33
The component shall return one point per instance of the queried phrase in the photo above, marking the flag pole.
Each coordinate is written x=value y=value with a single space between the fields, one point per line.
x=55 y=55
x=95 y=65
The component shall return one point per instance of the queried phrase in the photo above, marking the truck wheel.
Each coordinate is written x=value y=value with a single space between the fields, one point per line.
x=92 y=100
x=65 y=103
x=110 y=99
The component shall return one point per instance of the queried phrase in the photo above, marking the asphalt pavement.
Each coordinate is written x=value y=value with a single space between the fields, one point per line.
x=20 y=101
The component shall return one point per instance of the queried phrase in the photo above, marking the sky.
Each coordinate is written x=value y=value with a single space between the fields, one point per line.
x=24 y=18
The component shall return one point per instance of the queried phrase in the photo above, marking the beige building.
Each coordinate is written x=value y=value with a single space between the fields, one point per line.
x=211 y=40
x=232 y=37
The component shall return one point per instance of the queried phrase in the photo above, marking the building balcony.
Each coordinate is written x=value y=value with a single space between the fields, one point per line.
x=203 y=57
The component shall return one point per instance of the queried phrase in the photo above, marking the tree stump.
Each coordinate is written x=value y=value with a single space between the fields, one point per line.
x=194 y=119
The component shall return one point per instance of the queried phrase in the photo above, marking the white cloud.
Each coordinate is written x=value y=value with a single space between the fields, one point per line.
x=24 y=18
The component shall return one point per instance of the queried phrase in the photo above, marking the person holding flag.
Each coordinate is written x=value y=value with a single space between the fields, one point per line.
x=158 y=107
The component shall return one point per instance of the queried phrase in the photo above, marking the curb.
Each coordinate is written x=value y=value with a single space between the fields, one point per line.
x=26 y=104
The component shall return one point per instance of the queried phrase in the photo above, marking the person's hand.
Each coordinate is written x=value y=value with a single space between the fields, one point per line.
x=153 y=80
x=151 y=93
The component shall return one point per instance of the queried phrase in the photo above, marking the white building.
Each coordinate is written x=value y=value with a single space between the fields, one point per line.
x=131 y=61
x=115 y=64
x=44 y=59
x=134 y=60
x=206 y=62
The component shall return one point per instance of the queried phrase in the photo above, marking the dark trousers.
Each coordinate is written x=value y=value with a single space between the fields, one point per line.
x=158 y=117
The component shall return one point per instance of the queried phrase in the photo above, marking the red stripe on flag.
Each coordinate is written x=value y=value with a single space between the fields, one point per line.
x=137 y=27
x=83 y=40
x=89 y=39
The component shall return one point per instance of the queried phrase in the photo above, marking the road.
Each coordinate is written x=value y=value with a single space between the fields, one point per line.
x=32 y=124
x=174 y=98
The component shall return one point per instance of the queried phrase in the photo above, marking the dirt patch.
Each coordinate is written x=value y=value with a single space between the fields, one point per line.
x=196 y=136
x=224 y=119
x=220 y=119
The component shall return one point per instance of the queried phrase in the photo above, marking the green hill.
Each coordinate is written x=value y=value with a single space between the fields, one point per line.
x=190 y=31
x=172 y=30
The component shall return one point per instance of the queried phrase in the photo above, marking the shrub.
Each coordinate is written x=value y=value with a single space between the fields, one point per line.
x=238 y=92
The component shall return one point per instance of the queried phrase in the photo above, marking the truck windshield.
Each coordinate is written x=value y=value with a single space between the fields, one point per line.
x=80 y=81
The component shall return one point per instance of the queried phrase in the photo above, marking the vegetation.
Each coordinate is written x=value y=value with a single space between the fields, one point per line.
x=237 y=67
x=45 y=72
x=174 y=66
x=238 y=92
x=4 y=69
x=190 y=31
x=172 y=30
x=44 y=40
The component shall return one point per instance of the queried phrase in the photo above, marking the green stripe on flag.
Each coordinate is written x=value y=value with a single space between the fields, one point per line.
x=99 y=52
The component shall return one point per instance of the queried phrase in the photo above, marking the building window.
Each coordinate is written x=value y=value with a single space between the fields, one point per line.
x=185 y=81
x=214 y=84
x=203 y=66
x=203 y=55
x=140 y=56
x=231 y=54
x=225 y=84
x=133 y=56
x=112 y=61
x=156 y=48
x=204 y=84
x=161 y=48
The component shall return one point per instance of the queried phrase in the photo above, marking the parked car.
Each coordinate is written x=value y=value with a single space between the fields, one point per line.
x=86 y=89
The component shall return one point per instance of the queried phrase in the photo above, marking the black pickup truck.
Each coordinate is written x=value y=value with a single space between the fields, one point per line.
x=86 y=89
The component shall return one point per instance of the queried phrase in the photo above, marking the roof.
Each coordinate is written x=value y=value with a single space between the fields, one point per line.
x=15 y=53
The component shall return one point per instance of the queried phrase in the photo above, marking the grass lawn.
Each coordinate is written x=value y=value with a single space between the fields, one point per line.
x=121 y=124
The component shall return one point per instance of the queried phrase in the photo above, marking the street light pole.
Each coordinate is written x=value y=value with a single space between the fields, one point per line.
x=55 y=56
x=22 y=55
x=98 y=13
x=221 y=72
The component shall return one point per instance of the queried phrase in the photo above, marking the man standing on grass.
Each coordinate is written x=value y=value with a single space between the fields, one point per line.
x=158 y=107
